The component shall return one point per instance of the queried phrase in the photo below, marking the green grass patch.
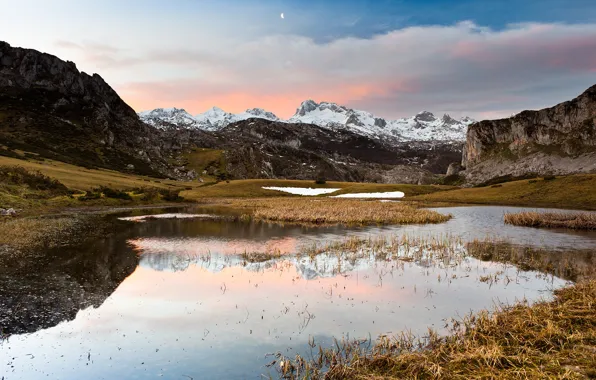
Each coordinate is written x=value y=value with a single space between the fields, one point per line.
x=211 y=161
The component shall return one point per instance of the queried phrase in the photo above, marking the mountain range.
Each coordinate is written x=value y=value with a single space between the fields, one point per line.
x=424 y=126
x=50 y=109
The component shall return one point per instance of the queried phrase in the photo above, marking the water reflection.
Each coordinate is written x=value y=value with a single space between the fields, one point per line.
x=39 y=295
x=196 y=307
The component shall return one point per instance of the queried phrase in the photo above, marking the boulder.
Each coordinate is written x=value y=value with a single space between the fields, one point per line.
x=8 y=212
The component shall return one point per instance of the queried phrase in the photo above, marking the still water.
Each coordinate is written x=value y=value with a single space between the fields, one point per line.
x=176 y=299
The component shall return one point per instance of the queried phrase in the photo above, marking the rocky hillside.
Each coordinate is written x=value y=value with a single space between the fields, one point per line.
x=259 y=148
x=48 y=107
x=556 y=140
x=422 y=127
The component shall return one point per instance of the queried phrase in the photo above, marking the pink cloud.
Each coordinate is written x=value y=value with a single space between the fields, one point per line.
x=461 y=68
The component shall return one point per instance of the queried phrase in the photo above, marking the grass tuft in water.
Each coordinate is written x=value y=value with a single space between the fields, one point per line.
x=571 y=220
x=547 y=340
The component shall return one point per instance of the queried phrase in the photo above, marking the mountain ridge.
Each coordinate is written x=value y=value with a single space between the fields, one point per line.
x=424 y=126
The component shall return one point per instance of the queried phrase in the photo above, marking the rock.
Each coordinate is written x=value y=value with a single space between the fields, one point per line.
x=8 y=212
x=558 y=140
x=56 y=95
x=130 y=167
x=453 y=169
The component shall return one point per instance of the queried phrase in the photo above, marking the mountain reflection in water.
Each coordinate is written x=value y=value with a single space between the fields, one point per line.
x=186 y=300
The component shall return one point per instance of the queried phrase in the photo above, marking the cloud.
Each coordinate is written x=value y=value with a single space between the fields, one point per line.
x=462 y=69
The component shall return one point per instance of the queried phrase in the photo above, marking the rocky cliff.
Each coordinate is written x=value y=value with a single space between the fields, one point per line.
x=49 y=107
x=556 y=140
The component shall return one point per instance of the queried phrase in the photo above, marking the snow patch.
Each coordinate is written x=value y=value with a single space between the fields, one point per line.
x=302 y=190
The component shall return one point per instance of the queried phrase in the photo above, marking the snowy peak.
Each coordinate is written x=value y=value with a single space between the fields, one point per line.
x=260 y=113
x=306 y=107
x=213 y=119
x=425 y=116
x=424 y=126
x=168 y=118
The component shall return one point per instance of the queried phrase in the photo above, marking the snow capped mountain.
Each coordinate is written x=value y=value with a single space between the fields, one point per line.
x=211 y=120
x=168 y=117
x=424 y=126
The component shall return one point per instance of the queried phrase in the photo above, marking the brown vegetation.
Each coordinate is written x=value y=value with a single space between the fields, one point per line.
x=324 y=211
x=547 y=340
x=572 y=220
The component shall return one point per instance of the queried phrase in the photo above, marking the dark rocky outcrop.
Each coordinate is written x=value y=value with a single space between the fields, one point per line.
x=556 y=140
x=48 y=107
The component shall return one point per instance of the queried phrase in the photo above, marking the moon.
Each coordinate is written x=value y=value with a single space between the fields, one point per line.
x=282 y=15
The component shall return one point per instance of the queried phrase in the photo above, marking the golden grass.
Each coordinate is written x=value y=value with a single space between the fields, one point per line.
x=547 y=340
x=325 y=211
x=35 y=232
x=253 y=188
x=571 y=220
x=574 y=192
x=77 y=177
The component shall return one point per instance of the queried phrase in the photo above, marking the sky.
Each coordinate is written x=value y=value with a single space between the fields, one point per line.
x=481 y=58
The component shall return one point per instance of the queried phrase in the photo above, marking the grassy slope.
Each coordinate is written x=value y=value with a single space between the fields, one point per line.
x=79 y=178
x=210 y=160
x=252 y=188
x=575 y=192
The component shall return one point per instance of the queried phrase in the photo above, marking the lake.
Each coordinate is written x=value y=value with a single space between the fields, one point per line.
x=182 y=298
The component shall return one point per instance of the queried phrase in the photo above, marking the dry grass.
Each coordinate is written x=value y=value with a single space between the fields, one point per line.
x=573 y=192
x=325 y=211
x=35 y=232
x=210 y=160
x=572 y=220
x=547 y=340
x=77 y=177
x=260 y=257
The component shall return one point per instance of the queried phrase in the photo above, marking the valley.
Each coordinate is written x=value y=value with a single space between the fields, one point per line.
x=331 y=244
